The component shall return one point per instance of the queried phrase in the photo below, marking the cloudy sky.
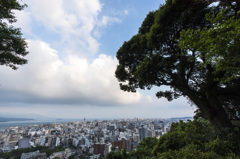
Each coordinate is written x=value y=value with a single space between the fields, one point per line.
x=72 y=59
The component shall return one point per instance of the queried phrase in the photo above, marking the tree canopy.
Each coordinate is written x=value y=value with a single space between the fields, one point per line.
x=192 y=139
x=157 y=56
x=217 y=46
x=196 y=139
x=12 y=45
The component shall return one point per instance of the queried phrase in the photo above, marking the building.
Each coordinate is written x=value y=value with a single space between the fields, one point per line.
x=75 y=141
x=23 y=143
x=34 y=155
x=143 y=132
x=87 y=141
x=108 y=148
x=99 y=148
x=111 y=127
x=123 y=143
x=151 y=133
x=49 y=141
x=12 y=139
x=136 y=137
x=57 y=141
x=128 y=145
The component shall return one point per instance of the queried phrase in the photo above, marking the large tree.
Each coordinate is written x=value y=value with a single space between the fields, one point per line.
x=12 y=45
x=153 y=58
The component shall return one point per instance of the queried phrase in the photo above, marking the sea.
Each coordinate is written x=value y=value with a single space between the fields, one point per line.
x=6 y=125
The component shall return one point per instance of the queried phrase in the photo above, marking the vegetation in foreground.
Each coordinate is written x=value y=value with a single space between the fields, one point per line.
x=196 y=139
x=13 y=47
x=192 y=47
x=16 y=154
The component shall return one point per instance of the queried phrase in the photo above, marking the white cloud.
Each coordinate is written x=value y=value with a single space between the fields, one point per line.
x=23 y=21
x=73 y=21
x=76 y=80
x=76 y=23
x=65 y=74
x=106 y=20
x=61 y=73
x=126 y=12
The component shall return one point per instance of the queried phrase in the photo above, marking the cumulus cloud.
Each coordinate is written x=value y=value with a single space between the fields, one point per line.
x=65 y=70
x=73 y=20
x=77 y=23
x=23 y=21
x=64 y=75
x=47 y=79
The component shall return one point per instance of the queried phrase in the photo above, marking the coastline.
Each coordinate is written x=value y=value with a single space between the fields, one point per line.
x=8 y=124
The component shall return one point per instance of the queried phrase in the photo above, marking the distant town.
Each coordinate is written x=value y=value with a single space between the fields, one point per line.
x=96 y=138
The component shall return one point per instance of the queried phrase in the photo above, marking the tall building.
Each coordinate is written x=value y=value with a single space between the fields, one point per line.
x=151 y=133
x=123 y=143
x=119 y=143
x=128 y=145
x=84 y=122
x=87 y=141
x=143 y=132
x=108 y=148
x=57 y=141
x=49 y=141
x=136 y=137
x=99 y=148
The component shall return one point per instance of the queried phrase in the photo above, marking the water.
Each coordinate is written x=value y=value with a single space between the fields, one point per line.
x=5 y=125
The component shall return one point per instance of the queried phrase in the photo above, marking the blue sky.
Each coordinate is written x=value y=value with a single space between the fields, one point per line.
x=71 y=63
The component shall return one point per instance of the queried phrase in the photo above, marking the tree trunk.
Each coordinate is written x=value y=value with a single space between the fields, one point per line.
x=217 y=115
x=219 y=118
x=210 y=106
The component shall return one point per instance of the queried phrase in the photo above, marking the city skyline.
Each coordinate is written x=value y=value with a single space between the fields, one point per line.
x=72 y=59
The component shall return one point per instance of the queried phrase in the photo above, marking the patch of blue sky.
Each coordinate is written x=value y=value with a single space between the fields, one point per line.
x=44 y=34
x=131 y=15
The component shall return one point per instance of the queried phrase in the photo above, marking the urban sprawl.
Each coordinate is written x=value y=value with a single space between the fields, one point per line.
x=96 y=138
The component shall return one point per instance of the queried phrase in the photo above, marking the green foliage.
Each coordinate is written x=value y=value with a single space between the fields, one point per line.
x=50 y=151
x=232 y=138
x=217 y=45
x=17 y=153
x=187 y=140
x=12 y=45
x=114 y=155
x=118 y=155
x=72 y=157
x=208 y=77
x=195 y=139
x=82 y=156
x=144 y=149
x=181 y=134
x=146 y=145
x=124 y=153
x=189 y=152
x=114 y=148
x=217 y=145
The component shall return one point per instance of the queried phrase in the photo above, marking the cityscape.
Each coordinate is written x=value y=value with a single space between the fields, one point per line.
x=96 y=138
